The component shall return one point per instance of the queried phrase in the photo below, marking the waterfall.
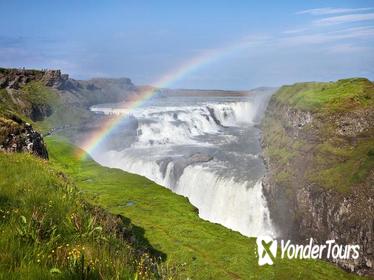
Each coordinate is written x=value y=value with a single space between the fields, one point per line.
x=236 y=203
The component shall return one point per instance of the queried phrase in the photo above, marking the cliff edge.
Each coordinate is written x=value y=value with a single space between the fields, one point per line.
x=49 y=100
x=318 y=141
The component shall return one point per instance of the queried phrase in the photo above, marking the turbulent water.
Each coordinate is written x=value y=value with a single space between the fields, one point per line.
x=204 y=147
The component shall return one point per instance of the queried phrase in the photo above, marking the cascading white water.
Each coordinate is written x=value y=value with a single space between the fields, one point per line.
x=234 y=113
x=175 y=126
x=179 y=126
x=237 y=203
x=240 y=206
x=134 y=164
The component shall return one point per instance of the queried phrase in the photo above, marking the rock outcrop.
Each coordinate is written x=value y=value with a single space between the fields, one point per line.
x=16 y=78
x=19 y=136
x=320 y=179
x=75 y=92
x=30 y=92
x=38 y=94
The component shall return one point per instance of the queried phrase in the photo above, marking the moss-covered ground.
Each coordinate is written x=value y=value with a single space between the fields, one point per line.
x=48 y=231
x=331 y=97
x=171 y=225
x=319 y=154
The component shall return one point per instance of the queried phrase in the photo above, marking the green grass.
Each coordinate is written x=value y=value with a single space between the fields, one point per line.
x=332 y=164
x=280 y=149
x=343 y=95
x=319 y=154
x=38 y=94
x=172 y=226
x=35 y=93
x=49 y=232
x=32 y=94
x=341 y=168
x=63 y=115
x=6 y=103
x=42 y=211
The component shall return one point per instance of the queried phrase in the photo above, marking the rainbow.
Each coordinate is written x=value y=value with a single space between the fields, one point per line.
x=165 y=81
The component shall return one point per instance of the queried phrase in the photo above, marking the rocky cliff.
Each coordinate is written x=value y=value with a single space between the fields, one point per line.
x=50 y=101
x=17 y=78
x=25 y=98
x=75 y=92
x=318 y=141
x=19 y=136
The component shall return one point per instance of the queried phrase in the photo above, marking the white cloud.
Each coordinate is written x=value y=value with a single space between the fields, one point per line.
x=348 y=48
x=328 y=37
x=331 y=11
x=344 y=19
x=294 y=31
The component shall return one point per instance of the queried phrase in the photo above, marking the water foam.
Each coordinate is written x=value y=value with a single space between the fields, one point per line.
x=236 y=204
x=240 y=206
x=181 y=125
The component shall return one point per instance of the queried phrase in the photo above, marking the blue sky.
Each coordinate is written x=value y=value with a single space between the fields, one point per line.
x=284 y=41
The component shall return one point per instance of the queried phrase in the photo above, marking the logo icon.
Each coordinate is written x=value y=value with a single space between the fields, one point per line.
x=266 y=249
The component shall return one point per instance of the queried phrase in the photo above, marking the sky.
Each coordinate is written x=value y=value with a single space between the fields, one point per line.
x=231 y=44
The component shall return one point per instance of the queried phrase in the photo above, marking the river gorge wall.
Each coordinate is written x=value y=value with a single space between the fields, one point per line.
x=320 y=175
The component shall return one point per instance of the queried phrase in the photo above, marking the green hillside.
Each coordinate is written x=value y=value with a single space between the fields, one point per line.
x=318 y=143
x=49 y=232
x=337 y=142
x=341 y=96
x=201 y=250
x=70 y=218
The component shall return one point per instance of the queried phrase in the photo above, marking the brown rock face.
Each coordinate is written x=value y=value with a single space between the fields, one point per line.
x=19 y=136
x=299 y=148
x=54 y=78
x=16 y=78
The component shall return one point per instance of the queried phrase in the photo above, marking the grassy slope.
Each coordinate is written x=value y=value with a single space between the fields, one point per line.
x=63 y=113
x=7 y=108
x=32 y=94
x=47 y=231
x=340 y=96
x=334 y=161
x=6 y=103
x=164 y=219
x=38 y=94
x=172 y=226
x=35 y=93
